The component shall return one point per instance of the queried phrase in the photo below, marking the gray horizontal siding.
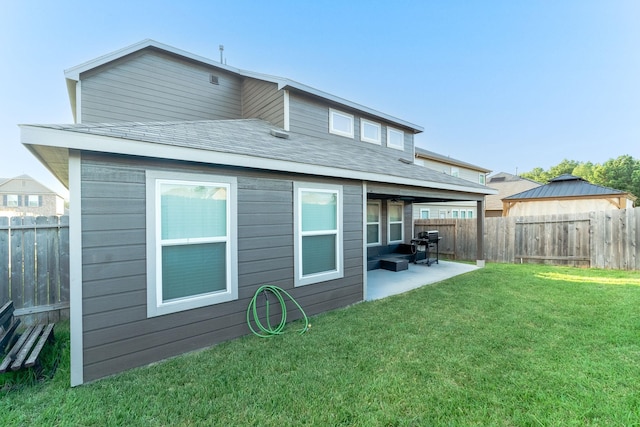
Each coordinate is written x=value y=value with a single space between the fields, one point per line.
x=116 y=332
x=262 y=100
x=156 y=87
x=310 y=117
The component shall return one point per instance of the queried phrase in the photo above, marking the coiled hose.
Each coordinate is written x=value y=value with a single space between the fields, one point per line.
x=268 y=330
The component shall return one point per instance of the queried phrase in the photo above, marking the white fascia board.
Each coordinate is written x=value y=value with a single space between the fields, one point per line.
x=34 y=135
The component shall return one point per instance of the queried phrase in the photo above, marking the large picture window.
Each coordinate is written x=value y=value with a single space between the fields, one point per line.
x=191 y=242
x=373 y=222
x=318 y=229
x=396 y=222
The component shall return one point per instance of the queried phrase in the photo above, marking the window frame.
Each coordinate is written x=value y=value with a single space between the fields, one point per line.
x=482 y=179
x=455 y=213
x=378 y=126
x=299 y=278
x=379 y=223
x=390 y=131
x=341 y=132
x=455 y=171
x=155 y=305
x=389 y=222
x=427 y=210
x=32 y=197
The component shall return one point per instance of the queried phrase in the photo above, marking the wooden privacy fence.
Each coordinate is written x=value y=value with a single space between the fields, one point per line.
x=605 y=239
x=34 y=266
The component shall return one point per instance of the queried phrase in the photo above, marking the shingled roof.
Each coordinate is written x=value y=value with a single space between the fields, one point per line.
x=566 y=186
x=245 y=143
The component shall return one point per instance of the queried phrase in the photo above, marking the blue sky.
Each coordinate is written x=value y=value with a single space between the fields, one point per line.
x=507 y=85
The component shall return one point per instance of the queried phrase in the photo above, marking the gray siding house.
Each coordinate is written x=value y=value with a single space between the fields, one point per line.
x=194 y=183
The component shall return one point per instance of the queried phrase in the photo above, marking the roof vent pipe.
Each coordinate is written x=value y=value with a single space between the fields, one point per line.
x=221 y=51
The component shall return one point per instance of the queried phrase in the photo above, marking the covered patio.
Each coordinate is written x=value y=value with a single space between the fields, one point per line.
x=383 y=283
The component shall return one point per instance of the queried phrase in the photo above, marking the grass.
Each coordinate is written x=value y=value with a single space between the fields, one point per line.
x=506 y=345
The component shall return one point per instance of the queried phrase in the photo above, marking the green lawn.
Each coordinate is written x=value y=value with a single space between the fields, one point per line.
x=512 y=345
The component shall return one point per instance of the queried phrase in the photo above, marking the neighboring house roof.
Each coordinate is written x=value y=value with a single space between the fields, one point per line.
x=507 y=185
x=567 y=186
x=23 y=184
x=73 y=76
x=243 y=143
x=421 y=152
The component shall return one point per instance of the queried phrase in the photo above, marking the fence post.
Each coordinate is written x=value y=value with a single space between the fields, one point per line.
x=4 y=260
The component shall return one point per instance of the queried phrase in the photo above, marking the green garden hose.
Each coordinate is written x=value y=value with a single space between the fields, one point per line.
x=268 y=330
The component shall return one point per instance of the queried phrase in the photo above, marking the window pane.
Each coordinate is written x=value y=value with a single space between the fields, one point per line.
x=318 y=254
x=395 y=138
x=342 y=123
x=373 y=235
x=373 y=213
x=319 y=211
x=395 y=232
x=193 y=270
x=424 y=214
x=371 y=131
x=190 y=211
x=12 y=200
x=395 y=212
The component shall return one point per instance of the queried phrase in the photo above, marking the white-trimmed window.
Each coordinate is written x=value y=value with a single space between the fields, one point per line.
x=12 y=200
x=395 y=138
x=424 y=213
x=318 y=233
x=33 y=201
x=373 y=222
x=191 y=241
x=340 y=123
x=481 y=179
x=442 y=214
x=395 y=222
x=455 y=213
x=463 y=214
x=470 y=214
x=370 y=132
x=455 y=172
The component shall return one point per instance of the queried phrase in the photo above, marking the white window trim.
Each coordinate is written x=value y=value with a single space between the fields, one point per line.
x=155 y=305
x=35 y=199
x=379 y=223
x=455 y=172
x=470 y=214
x=482 y=179
x=340 y=132
x=455 y=214
x=363 y=123
x=391 y=131
x=389 y=222
x=299 y=279
x=428 y=211
x=442 y=213
x=14 y=202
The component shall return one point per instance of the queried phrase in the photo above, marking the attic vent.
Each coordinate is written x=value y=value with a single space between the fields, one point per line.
x=213 y=79
x=407 y=161
x=279 y=134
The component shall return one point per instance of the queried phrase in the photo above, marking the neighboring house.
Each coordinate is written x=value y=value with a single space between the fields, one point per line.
x=193 y=183
x=566 y=194
x=453 y=167
x=507 y=185
x=24 y=196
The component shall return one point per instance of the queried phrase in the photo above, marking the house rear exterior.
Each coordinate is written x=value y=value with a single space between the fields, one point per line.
x=194 y=183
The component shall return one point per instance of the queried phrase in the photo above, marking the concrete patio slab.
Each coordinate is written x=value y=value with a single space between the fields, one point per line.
x=383 y=283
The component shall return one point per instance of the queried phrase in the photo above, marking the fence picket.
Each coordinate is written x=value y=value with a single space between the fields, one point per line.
x=4 y=260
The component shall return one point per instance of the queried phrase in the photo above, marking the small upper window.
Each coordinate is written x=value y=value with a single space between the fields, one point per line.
x=12 y=200
x=481 y=179
x=34 y=201
x=370 y=131
x=340 y=123
x=395 y=138
x=455 y=172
